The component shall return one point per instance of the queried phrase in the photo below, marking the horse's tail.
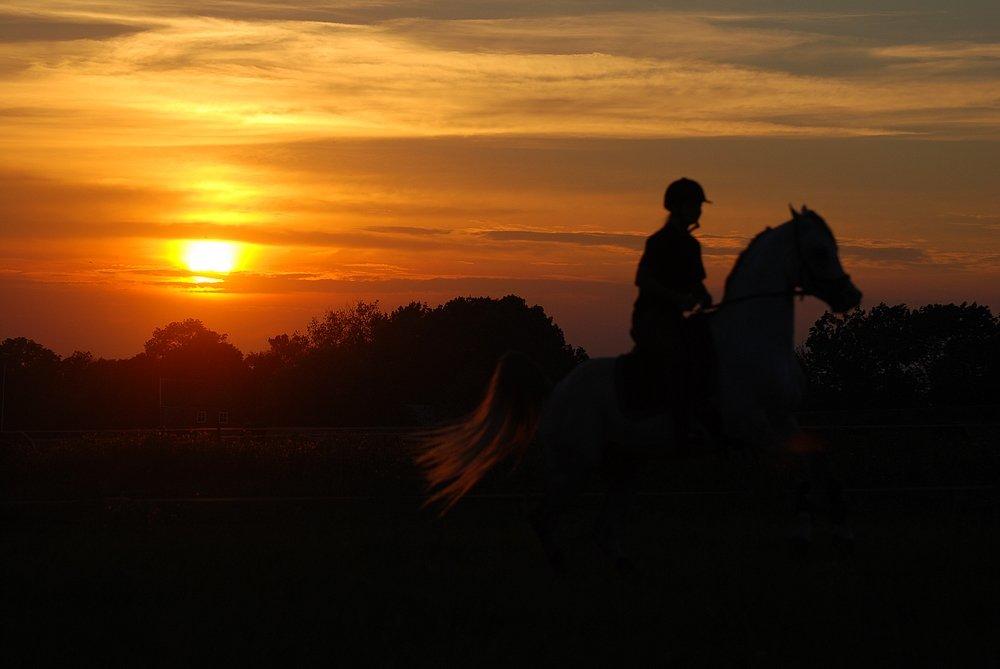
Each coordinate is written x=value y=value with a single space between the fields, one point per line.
x=456 y=457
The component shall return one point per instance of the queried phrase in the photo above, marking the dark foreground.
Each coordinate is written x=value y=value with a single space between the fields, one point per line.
x=111 y=555
x=317 y=582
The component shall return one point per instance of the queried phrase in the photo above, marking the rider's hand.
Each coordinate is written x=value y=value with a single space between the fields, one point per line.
x=688 y=301
x=706 y=300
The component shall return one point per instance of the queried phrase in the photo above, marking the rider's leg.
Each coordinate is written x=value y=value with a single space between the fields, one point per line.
x=823 y=473
x=820 y=479
x=620 y=473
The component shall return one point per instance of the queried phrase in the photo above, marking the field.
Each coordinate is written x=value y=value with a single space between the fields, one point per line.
x=308 y=549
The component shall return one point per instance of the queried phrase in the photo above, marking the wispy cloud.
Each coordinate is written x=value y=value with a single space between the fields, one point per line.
x=974 y=220
x=25 y=27
x=406 y=230
x=629 y=241
x=913 y=257
x=643 y=73
x=884 y=253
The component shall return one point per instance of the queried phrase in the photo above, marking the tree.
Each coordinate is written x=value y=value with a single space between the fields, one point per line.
x=189 y=342
x=26 y=354
x=276 y=379
x=352 y=366
x=190 y=364
x=353 y=327
x=448 y=353
x=359 y=365
x=960 y=356
x=30 y=379
x=892 y=356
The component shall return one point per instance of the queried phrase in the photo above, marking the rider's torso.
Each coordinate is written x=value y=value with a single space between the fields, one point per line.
x=673 y=258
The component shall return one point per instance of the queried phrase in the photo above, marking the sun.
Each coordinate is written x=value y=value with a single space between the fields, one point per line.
x=202 y=256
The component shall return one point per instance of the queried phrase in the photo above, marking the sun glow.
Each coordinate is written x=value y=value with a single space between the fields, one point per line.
x=204 y=256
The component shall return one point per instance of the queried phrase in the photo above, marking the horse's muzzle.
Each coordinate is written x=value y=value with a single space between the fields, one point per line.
x=841 y=294
x=848 y=299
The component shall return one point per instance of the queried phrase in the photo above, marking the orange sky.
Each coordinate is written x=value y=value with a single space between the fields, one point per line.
x=419 y=150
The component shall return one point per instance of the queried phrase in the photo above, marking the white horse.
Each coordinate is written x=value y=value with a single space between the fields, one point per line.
x=579 y=424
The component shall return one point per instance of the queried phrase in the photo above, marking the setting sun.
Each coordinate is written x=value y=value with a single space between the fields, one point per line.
x=204 y=256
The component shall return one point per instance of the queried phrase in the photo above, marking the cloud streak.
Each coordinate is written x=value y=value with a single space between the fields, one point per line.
x=40 y=28
x=642 y=73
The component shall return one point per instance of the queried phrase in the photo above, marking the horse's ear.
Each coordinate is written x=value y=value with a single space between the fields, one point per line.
x=795 y=214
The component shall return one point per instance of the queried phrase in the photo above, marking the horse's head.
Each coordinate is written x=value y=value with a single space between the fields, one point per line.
x=818 y=266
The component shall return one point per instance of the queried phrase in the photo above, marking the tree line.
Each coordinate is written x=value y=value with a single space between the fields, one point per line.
x=353 y=366
x=418 y=364
x=895 y=357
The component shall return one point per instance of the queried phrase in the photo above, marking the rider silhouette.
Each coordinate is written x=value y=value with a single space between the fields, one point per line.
x=670 y=278
x=671 y=282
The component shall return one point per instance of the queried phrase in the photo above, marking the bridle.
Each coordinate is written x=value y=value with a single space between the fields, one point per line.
x=807 y=277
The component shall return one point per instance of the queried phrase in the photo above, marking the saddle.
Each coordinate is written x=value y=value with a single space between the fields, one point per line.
x=640 y=387
x=645 y=387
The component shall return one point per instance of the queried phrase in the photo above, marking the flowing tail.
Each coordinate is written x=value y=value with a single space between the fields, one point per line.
x=456 y=457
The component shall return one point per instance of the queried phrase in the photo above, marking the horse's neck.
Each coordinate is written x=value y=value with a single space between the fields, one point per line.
x=758 y=380
x=764 y=323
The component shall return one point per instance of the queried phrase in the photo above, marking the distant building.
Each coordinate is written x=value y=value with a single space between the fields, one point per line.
x=193 y=403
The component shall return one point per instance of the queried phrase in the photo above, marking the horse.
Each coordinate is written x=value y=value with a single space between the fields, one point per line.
x=579 y=422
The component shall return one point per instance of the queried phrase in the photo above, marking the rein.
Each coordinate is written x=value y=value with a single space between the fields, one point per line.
x=755 y=296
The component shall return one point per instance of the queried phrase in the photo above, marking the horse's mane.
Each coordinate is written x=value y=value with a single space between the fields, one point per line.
x=743 y=255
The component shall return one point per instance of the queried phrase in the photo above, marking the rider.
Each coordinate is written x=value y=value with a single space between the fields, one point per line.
x=671 y=280
x=671 y=275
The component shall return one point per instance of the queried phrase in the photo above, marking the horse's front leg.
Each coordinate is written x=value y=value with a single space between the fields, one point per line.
x=820 y=479
x=822 y=469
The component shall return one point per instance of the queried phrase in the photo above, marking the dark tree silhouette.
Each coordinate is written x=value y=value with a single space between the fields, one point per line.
x=193 y=365
x=362 y=366
x=188 y=348
x=30 y=378
x=276 y=379
x=462 y=340
x=359 y=365
x=893 y=357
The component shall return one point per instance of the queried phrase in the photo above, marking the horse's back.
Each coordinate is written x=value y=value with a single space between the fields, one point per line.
x=575 y=397
x=583 y=414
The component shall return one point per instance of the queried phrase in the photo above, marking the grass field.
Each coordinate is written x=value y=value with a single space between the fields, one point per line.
x=358 y=573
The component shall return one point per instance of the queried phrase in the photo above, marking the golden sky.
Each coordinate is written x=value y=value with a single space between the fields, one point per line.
x=423 y=150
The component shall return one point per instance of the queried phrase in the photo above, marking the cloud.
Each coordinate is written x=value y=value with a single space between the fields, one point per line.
x=362 y=283
x=885 y=253
x=723 y=245
x=40 y=28
x=264 y=235
x=973 y=220
x=248 y=282
x=406 y=230
x=29 y=112
x=579 y=71
x=903 y=255
x=629 y=241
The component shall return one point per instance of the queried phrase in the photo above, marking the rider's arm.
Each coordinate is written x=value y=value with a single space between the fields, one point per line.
x=702 y=295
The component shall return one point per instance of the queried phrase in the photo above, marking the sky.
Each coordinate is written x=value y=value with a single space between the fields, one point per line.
x=420 y=150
